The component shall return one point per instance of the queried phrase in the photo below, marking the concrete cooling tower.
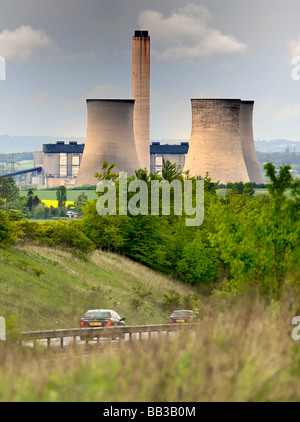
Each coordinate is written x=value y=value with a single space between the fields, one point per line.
x=109 y=137
x=141 y=95
x=247 y=140
x=215 y=145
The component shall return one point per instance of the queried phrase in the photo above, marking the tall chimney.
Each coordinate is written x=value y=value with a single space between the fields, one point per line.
x=141 y=95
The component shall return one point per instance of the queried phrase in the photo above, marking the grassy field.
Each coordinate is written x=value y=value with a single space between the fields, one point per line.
x=47 y=288
x=260 y=191
x=48 y=197
x=72 y=195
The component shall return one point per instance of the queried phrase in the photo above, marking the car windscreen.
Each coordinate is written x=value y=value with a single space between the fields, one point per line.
x=97 y=315
x=182 y=314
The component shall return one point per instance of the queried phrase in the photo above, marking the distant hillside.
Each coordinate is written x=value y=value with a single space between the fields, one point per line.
x=9 y=144
x=275 y=145
x=14 y=144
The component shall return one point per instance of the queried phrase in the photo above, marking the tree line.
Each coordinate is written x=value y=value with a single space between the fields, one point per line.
x=245 y=242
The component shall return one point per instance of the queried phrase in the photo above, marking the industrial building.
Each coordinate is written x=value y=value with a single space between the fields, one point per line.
x=53 y=163
x=174 y=153
x=60 y=164
x=141 y=94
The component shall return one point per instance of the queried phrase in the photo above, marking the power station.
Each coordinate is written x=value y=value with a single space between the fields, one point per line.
x=118 y=131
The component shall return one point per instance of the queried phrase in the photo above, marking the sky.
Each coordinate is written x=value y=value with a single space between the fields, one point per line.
x=56 y=54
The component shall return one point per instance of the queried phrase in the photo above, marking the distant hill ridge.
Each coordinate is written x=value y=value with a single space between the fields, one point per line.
x=14 y=143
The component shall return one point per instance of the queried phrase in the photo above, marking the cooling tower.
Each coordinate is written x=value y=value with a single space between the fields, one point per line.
x=141 y=95
x=247 y=140
x=215 y=145
x=109 y=137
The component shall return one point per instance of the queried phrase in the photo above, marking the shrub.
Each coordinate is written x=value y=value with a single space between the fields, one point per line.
x=8 y=230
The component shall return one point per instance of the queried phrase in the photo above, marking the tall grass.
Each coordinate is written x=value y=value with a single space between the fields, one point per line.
x=241 y=351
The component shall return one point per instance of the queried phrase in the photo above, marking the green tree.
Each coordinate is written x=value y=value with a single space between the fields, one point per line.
x=258 y=237
x=31 y=200
x=279 y=183
x=8 y=189
x=8 y=230
x=61 y=196
x=171 y=171
x=80 y=202
x=107 y=173
x=15 y=215
x=199 y=262
x=240 y=188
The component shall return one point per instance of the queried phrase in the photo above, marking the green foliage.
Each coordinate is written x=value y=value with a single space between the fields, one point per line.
x=247 y=241
x=67 y=235
x=240 y=188
x=279 y=183
x=41 y=212
x=172 y=299
x=9 y=231
x=80 y=202
x=15 y=215
x=103 y=231
x=107 y=173
x=61 y=196
x=199 y=262
x=61 y=233
x=171 y=171
x=257 y=238
x=8 y=189
x=141 y=295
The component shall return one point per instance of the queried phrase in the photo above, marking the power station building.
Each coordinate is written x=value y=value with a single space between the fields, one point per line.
x=60 y=164
x=174 y=153
x=118 y=131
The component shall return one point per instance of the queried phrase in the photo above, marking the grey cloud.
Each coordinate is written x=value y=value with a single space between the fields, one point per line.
x=22 y=43
x=187 y=36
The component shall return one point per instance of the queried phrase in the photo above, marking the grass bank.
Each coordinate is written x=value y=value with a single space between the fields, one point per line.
x=48 y=288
